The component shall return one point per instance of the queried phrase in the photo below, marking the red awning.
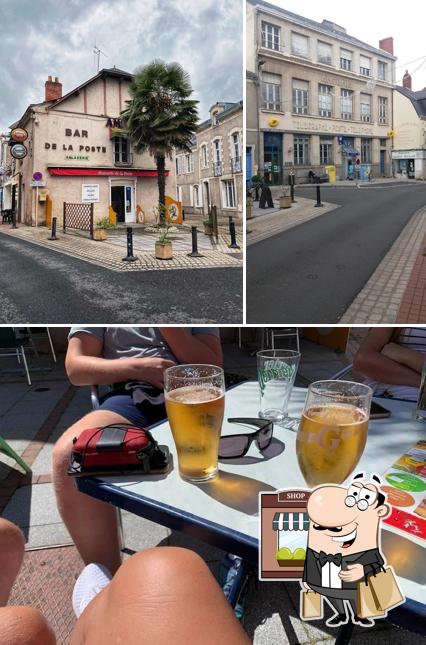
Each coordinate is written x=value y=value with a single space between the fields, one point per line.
x=102 y=172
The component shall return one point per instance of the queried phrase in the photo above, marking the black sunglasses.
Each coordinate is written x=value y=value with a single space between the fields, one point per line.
x=237 y=445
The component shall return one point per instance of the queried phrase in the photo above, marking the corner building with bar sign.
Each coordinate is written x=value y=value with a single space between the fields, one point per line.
x=317 y=98
x=75 y=141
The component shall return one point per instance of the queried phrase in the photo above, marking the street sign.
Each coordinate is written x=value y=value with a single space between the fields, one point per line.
x=18 y=151
x=19 y=135
x=89 y=193
x=38 y=184
x=37 y=176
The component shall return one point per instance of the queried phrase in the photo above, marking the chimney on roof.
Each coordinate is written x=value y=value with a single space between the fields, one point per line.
x=406 y=80
x=387 y=45
x=52 y=89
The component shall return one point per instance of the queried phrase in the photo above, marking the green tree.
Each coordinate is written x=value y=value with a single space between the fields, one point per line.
x=160 y=116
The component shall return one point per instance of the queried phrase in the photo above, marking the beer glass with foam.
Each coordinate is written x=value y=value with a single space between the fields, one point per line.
x=195 y=400
x=333 y=430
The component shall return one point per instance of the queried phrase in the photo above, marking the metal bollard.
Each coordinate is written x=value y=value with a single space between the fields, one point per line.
x=318 y=197
x=53 y=232
x=293 y=201
x=233 y=244
x=194 y=253
x=129 y=257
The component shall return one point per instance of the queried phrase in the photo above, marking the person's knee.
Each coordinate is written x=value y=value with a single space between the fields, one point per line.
x=12 y=541
x=25 y=626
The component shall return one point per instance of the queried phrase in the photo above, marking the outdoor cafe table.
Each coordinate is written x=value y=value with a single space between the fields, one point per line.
x=224 y=512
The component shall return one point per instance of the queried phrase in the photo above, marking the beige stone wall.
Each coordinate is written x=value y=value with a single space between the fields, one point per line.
x=409 y=127
x=203 y=174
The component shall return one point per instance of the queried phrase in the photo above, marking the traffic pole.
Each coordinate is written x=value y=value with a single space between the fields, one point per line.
x=318 y=197
x=194 y=253
x=53 y=232
x=129 y=257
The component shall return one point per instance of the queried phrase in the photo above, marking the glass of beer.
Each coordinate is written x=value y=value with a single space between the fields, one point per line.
x=195 y=401
x=333 y=430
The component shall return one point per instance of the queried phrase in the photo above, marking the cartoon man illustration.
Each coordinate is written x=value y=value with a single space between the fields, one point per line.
x=344 y=543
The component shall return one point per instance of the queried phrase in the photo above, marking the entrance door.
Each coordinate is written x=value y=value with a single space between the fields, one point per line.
x=273 y=157
x=382 y=161
x=206 y=200
x=249 y=173
x=117 y=202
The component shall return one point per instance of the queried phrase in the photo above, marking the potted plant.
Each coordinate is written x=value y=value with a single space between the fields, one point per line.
x=100 y=230
x=163 y=246
x=285 y=198
x=208 y=225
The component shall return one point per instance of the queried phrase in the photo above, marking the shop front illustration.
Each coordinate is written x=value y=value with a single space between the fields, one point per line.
x=284 y=534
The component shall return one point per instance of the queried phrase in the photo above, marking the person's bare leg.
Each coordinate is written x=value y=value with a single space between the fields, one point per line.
x=92 y=524
x=24 y=626
x=162 y=595
x=12 y=544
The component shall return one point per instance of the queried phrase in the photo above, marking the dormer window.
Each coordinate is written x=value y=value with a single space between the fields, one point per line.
x=215 y=118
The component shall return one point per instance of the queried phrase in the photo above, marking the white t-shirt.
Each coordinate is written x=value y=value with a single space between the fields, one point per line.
x=413 y=338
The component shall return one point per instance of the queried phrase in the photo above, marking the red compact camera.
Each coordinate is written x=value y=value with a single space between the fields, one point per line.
x=117 y=449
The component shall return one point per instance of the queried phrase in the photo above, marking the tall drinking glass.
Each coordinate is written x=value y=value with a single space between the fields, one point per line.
x=333 y=430
x=276 y=371
x=195 y=401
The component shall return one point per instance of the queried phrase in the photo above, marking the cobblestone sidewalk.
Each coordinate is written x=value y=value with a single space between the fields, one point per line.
x=396 y=291
x=269 y=222
x=109 y=254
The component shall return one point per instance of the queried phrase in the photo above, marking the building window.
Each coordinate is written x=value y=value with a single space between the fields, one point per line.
x=188 y=163
x=299 y=45
x=180 y=165
x=300 y=96
x=325 y=100
x=365 y=150
x=301 y=151
x=236 y=165
x=383 y=109
x=325 y=53
x=382 y=70
x=383 y=143
x=346 y=98
x=216 y=151
x=365 y=107
x=228 y=193
x=121 y=150
x=196 y=196
x=364 y=65
x=271 y=91
x=270 y=36
x=345 y=59
x=326 y=150
x=204 y=156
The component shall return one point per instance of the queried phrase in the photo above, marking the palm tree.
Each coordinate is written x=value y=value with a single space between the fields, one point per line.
x=160 y=116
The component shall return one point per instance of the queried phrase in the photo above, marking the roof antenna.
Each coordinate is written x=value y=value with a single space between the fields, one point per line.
x=98 y=53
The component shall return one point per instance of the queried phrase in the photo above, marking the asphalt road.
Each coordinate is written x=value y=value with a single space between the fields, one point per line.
x=313 y=272
x=42 y=286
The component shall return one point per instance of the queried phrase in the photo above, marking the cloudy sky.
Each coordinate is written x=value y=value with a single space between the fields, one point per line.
x=372 y=20
x=56 y=37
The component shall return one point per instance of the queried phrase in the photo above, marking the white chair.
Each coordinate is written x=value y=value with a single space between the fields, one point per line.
x=273 y=333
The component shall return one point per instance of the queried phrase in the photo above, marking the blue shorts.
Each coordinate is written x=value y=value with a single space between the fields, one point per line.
x=142 y=416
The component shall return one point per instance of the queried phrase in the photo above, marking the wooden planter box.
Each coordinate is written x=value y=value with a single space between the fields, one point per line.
x=285 y=201
x=163 y=251
x=99 y=234
x=291 y=563
x=249 y=211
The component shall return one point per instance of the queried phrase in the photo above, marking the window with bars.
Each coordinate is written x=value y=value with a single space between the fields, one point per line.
x=382 y=70
x=300 y=97
x=346 y=99
x=301 y=151
x=299 y=45
x=325 y=53
x=365 y=150
x=271 y=92
x=121 y=150
x=271 y=36
x=365 y=107
x=383 y=109
x=326 y=150
x=345 y=59
x=325 y=100
x=364 y=65
x=228 y=193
